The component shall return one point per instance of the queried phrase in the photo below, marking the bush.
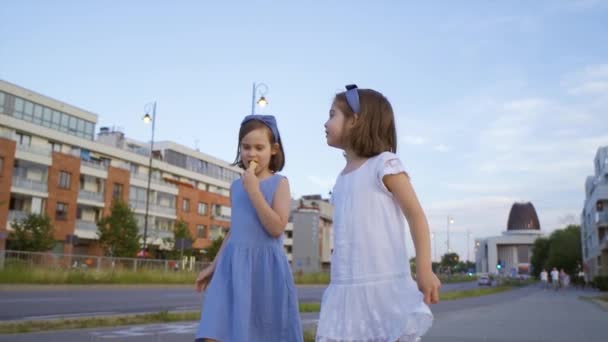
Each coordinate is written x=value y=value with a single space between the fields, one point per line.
x=601 y=282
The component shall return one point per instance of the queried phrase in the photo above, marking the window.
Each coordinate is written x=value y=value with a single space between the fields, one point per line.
x=134 y=168
x=117 y=191
x=24 y=139
x=28 y=112
x=55 y=147
x=64 y=179
x=46 y=116
x=186 y=205
x=201 y=231
x=56 y=119
x=202 y=208
x=61 y=211
x=216 y=232
x=37 y=114
x=18 y=108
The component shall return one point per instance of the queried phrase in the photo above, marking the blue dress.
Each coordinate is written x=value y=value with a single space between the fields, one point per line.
x=252 y=296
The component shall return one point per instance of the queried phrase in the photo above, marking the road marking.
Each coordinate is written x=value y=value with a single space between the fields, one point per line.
x=72 y=315
x=34 y=300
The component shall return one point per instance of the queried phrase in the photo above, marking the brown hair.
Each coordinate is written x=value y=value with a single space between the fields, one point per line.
x=277 y=161
x=374 y=130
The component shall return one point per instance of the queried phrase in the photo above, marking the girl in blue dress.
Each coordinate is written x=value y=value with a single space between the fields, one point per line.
x=250 y=293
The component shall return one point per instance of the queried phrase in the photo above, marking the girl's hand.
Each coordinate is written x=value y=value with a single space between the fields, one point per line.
x=251 y=182
x=429 y=285
x=203 y=279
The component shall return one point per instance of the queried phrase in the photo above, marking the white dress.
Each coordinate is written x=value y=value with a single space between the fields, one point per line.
x=372 y=296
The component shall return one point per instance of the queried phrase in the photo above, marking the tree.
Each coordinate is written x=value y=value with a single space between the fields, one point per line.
x=34 y=233
x=118 y=233
x=540 y=252
x=565 y=249
x=450 y=260
x=180 y=231
x=214 y=248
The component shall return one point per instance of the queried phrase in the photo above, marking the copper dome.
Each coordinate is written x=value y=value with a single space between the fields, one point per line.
x=523 y=217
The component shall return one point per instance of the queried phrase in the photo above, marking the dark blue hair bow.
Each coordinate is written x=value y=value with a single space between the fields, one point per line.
x=268 y=120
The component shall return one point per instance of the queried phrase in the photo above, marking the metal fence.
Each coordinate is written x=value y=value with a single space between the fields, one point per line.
x=9 y=258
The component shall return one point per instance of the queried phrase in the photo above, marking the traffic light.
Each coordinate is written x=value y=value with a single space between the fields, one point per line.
x=499 y=265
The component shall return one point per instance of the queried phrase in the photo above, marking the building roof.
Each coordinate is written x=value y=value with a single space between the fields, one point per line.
x=523 y=217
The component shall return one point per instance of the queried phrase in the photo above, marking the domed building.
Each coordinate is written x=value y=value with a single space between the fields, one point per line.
x=510 y=253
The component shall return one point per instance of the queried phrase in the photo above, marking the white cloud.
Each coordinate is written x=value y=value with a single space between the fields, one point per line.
x=590 y=88
x=590 y=81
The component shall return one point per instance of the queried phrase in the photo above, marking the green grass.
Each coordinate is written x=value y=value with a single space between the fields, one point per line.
x=456 y=278
x=309 y=336
x=603 y=298
x=310 y=307
x=46 y=276
x=311 y=278
x=453 y=295
x=96 y=322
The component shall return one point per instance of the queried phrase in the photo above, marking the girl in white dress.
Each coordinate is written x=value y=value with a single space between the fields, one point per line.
x=372 y=296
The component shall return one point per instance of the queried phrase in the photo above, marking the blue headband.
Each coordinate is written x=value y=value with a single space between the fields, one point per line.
x=268 y=120
x=352 y=97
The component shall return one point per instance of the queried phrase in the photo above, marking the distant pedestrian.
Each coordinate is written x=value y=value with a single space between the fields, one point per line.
x=563 y=281
x=544 y=279
x=555 y=278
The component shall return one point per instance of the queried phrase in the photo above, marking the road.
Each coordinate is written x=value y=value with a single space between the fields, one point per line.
x=77 y=301
x=521 y=315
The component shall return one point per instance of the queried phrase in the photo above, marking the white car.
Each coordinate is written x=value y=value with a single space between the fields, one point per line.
x=484 y=280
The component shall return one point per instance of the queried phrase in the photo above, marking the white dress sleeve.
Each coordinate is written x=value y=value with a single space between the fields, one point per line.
x=388 y=164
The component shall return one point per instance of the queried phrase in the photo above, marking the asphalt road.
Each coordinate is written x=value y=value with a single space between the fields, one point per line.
x=521 y=315
x=43 y=302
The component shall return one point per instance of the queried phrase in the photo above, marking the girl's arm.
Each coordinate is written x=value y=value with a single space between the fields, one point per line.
x=401 y=188
x=274 y=218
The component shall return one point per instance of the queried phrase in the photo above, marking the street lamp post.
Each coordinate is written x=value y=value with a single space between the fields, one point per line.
x=148 y=119
x=468 y=246
x=450 y=220
x=262 y=89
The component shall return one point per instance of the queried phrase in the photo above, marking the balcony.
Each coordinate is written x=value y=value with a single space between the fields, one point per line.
x=91 y=195
x=225 y=218
x=154 y=208
x=42 y=151
x=86 y=225
x=94 y=165
x=153 y=180
x=16 y=215
x=29 y=184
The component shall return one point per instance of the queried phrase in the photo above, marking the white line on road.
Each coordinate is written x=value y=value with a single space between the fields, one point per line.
x=34 y=300
x=82 y=314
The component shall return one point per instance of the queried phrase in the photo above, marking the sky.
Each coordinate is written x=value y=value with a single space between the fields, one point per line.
x=495 y=102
